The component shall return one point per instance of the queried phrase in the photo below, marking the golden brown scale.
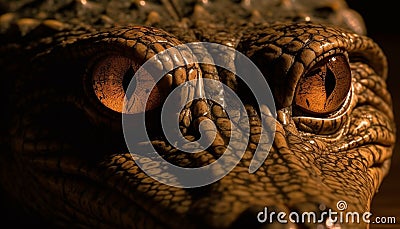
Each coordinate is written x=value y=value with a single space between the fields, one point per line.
x=63 y=153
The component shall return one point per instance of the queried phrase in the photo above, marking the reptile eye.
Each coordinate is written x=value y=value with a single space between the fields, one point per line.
x=110 y=79
x=325 y=87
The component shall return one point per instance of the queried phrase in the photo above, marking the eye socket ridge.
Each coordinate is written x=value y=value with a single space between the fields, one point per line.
x=324 y=88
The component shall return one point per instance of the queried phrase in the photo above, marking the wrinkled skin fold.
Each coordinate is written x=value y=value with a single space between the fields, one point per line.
x=63 y=155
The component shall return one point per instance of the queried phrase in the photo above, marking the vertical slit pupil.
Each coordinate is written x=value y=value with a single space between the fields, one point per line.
x=330 y=82
x=126 y=80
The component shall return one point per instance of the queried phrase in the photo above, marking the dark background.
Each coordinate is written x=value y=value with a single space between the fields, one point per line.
x=382 y=20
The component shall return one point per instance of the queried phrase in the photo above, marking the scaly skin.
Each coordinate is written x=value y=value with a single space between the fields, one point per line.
x=63 y=155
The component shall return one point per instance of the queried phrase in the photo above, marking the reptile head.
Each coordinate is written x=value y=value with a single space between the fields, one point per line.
x=65 y=69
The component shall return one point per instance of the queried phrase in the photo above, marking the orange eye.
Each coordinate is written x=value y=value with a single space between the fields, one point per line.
x=325 y=87
x=110 y=80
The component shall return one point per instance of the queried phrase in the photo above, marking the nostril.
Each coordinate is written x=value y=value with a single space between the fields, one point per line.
x=255 y=217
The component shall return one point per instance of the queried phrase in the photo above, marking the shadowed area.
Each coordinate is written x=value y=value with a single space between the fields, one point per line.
x=333 y=141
